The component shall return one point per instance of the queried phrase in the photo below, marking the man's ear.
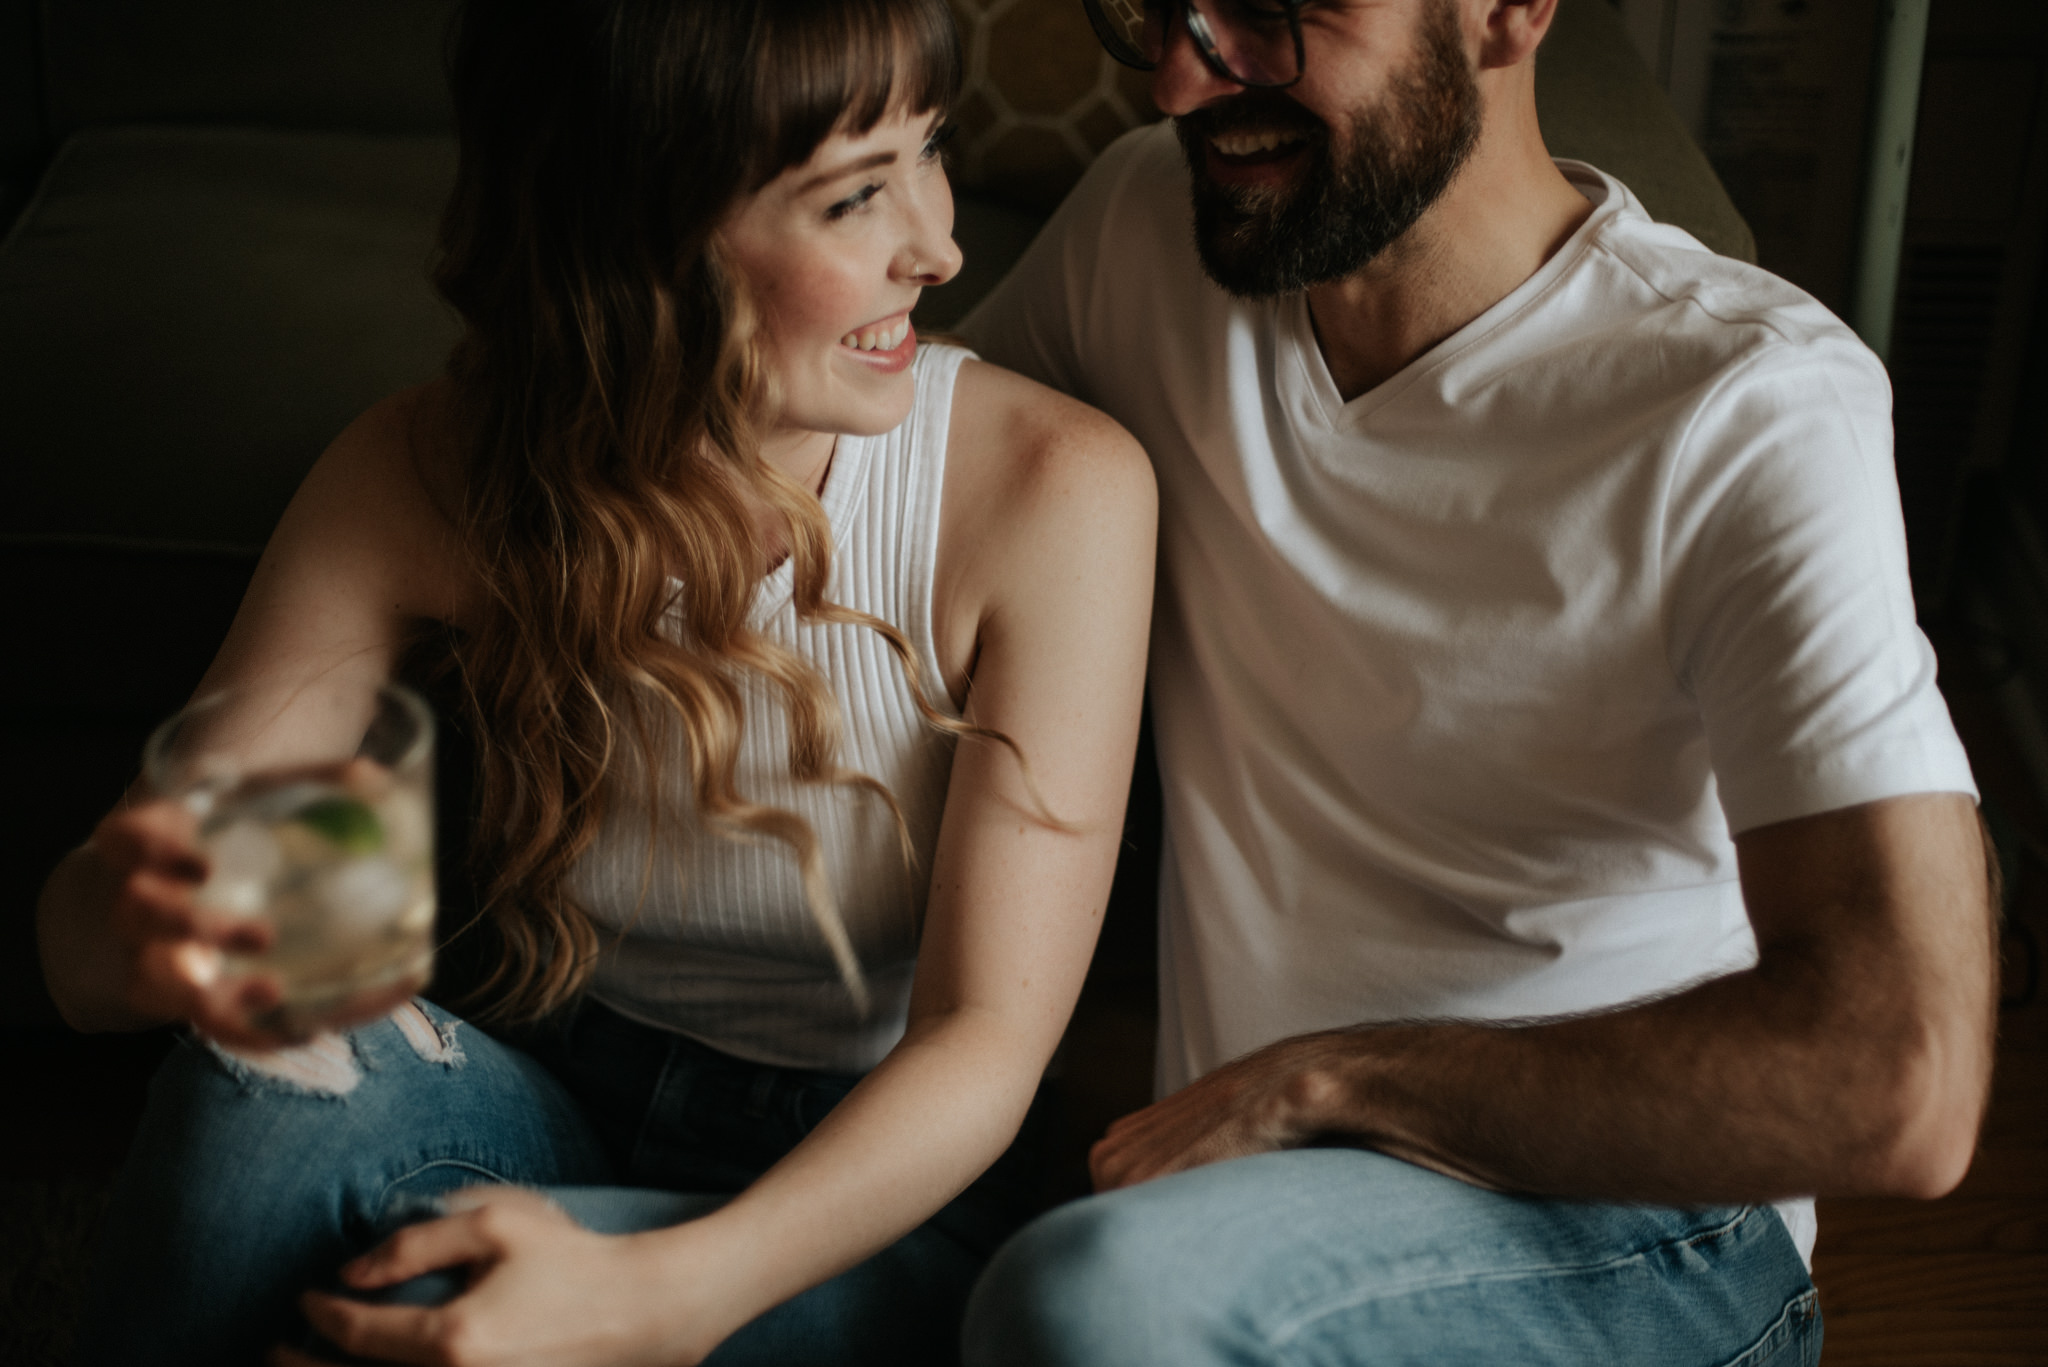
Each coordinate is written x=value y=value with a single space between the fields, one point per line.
x=1513 y=29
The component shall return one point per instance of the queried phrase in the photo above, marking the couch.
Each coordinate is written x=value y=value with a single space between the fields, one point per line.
x=217 y=219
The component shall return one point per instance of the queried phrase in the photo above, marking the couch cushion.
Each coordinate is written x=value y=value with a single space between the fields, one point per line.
x=353 y=65
x=188 y=316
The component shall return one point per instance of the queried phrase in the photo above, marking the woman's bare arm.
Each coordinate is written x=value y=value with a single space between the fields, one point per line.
x=1054 y=553
x=1046 y=559
x=360 y=555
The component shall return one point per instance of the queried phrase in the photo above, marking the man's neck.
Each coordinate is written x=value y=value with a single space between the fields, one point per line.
x=1507 y=212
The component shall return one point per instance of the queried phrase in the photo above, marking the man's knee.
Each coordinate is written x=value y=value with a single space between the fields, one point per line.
x=1046 y=1288
x=1104 y=1279
x=1317 y=1254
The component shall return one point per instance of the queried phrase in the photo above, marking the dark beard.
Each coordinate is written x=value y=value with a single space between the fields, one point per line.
x=1402 y=154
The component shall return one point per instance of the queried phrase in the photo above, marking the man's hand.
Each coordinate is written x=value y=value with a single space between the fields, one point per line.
x=1274 y=1098
x=1288 y=1094
x=1238 y=1109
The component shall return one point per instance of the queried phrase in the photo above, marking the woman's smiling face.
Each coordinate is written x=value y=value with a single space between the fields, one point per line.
x=835 y=253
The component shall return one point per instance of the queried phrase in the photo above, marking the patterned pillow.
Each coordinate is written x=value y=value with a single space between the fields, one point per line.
x=1041 y=99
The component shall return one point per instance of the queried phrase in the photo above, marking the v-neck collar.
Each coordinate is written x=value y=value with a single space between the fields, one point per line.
x=1326 y=406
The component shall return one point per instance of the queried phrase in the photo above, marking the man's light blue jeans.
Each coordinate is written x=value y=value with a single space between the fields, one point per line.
x=1345 y=1257
x=248 y=1185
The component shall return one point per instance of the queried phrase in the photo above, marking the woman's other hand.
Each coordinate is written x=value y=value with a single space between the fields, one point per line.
x=542 y=1291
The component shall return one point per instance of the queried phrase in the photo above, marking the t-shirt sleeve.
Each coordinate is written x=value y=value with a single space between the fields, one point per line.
x=1790 y=609
x=1033 y=320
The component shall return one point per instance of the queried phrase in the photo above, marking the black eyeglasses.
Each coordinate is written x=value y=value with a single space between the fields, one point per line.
x=1252 y=42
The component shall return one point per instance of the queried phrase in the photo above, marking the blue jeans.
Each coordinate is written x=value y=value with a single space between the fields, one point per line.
x=1344 y=1257
x=248 y=1185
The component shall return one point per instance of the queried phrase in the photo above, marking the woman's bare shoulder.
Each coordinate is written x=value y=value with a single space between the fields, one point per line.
x=1041 y=491
x=388 y=489
x=1014 y=439
x=404 y=447
x=361 y=557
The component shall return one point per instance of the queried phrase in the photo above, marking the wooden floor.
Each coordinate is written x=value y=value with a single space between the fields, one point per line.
x=1963 y=1282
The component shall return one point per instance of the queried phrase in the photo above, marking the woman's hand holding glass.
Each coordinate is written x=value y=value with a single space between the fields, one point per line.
x=274 y=874
x=164 y=957
x=170 y=957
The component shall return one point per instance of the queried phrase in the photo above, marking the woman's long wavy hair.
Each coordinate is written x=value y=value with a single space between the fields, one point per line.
x=609 y=393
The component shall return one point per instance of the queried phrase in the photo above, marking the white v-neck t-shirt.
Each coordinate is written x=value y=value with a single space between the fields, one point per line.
x=1462 y=688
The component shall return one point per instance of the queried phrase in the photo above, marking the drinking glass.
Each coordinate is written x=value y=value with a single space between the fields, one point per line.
x=315 y=813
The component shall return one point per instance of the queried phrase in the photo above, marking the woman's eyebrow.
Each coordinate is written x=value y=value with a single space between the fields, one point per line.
x=873 y=159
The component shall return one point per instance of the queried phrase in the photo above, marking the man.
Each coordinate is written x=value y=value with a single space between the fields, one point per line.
x=1570 y=867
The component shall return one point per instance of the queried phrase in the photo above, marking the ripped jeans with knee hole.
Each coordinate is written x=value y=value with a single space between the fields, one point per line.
x=254 y=1177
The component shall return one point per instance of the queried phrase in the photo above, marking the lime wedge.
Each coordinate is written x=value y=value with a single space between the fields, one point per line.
x=345 y=822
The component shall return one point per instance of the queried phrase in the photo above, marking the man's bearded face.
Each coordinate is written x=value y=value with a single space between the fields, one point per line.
x=1350 y=199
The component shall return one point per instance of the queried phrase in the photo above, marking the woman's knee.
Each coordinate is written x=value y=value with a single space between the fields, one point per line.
x=325 y=1084
x=356 y=1109
x=228 y=1129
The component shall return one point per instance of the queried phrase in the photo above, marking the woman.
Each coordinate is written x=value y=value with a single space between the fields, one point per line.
x=685 y=241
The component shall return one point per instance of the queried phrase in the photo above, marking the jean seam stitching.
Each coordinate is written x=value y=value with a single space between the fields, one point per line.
x=1720 y=1232
x=384 y=1196
x=1290 y=1329
x=1782 y=1329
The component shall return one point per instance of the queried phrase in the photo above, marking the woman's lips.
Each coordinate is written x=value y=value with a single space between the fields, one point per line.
x=885 y=335
x=887 y=346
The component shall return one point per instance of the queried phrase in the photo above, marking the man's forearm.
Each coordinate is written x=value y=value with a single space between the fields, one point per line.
x=1855 y=1057
x=1725 y=1093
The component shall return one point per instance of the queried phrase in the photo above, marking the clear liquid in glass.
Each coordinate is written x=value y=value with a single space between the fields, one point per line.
x=340 y=863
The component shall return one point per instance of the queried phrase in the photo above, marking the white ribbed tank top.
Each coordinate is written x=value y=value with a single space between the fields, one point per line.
x=711 y=936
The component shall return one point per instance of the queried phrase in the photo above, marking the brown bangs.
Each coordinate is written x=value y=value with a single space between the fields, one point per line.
x=827 y=65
